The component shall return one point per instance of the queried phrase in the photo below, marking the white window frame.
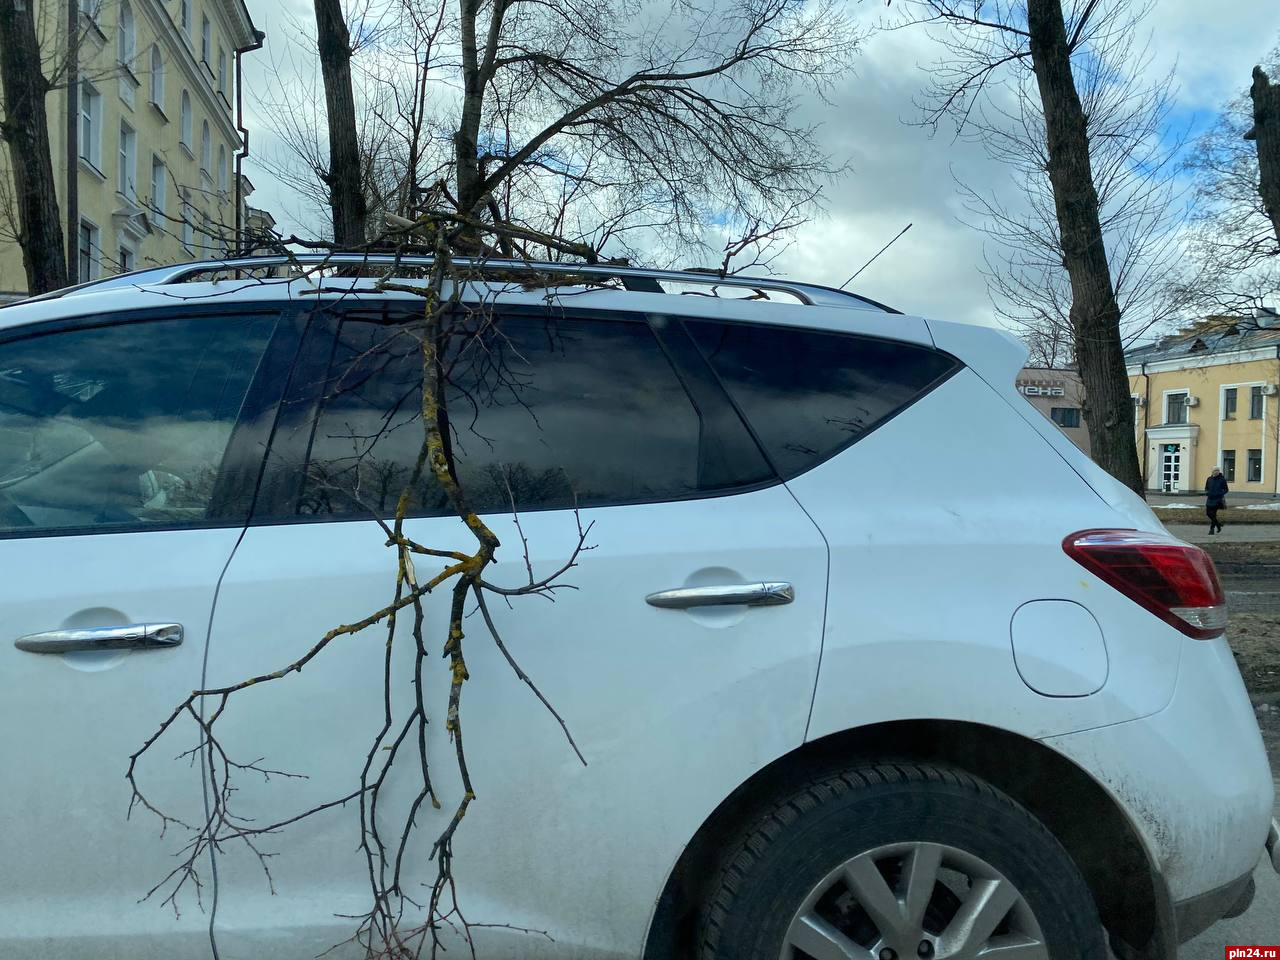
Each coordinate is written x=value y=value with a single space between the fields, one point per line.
x=126 y=35
x=206 y=151
x=184 y=19
x=222 y=73
x=91 y=125
x=206 y=232
x=188 y=221
x=157 y=77
x=126 y=246
x=223 y=183
x=159 y=185
x=1262 y=464
x=89 y=262
x=186 y=123
x=206 y=42
x=1183 y=392
x=127 y=174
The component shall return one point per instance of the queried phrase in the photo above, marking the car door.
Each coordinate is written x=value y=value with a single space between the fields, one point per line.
x=672 y=704
x=128 y=446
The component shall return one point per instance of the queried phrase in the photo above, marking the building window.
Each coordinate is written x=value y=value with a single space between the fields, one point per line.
x=188 y=221
x=1065 y=416
x=157 y=76
x=206 y=40
x=1255 y=403
x=185 y=121
x=90 y=124
x=1229 y=465
x=222 y=168
x=126 y=36
x=1176 y=408
x=88 y=249
x=206 y=150
x=159 y=185
x=185 y=17
x=127 y=257
x=127 y=175
x=90 y=8
x=1229 y=401
x=222 y=73
x=1254 y=467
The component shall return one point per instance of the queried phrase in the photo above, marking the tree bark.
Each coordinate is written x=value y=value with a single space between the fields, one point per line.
x=1095 y=315
x=1266 y=133
x=25 y=128
x=346 y=193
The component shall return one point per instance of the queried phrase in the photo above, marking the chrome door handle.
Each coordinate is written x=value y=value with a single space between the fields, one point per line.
x=767 y=594
x=145 y=636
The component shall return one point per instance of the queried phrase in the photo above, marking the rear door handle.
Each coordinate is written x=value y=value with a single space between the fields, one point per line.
x=144 y=636
x=766 y=594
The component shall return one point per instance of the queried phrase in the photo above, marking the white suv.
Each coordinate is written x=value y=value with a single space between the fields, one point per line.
x=867 y=662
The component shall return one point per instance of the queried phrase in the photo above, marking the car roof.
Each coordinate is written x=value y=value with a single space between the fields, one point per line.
x=315 y=277
x=317 y=269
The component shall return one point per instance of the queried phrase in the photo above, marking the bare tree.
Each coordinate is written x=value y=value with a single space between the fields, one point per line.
x=343 y=174
x=590 y=119
x=1266 y=133
x=25 y=131
x=1234 y=263
x=984 y=41
x=1134 y=162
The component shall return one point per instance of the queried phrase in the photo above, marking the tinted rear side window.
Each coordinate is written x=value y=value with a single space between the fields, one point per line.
x=546 y=412
x=808 y=393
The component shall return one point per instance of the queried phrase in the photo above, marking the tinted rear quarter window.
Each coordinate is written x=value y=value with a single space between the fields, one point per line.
x=809 y=394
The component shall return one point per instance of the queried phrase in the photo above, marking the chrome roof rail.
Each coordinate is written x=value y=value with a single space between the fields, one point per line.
x=636 y=279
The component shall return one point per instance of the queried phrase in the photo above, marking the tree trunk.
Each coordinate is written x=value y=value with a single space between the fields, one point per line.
x=346 y=193
x=25 y=128
x=1266 y=131
x=466 y=143
x=1095 y=315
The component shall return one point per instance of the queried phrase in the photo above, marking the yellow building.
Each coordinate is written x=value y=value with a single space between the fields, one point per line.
x=1209 y=396
x=155 y=145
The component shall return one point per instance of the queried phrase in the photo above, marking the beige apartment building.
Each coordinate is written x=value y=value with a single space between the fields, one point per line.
x=1059 y=395
x=155 y=142
x=1209 y=396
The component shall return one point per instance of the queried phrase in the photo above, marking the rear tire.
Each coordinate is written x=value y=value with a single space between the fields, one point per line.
x=902 y=861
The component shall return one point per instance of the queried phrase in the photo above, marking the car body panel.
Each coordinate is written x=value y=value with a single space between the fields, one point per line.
x=982 y=542
x=672 y=709
x=1194 y=778
x=75 y=867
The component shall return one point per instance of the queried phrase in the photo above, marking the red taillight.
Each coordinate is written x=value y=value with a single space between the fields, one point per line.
x=1174 y=580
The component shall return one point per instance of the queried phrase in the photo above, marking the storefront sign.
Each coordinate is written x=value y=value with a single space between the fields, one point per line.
x=1033 y=388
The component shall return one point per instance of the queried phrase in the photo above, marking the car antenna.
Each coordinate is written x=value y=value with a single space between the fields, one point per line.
x=873 y=259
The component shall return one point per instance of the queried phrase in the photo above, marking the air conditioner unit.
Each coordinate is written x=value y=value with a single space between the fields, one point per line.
x=1193 y=401
x=1269 y=389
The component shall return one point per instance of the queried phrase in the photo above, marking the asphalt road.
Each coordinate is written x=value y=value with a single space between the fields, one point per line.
x=1258 y=927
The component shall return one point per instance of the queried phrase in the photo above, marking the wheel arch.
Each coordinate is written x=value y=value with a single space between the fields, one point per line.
x=1096 y=832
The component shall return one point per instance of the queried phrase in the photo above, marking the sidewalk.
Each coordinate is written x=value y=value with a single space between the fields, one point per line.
x=1231 y=533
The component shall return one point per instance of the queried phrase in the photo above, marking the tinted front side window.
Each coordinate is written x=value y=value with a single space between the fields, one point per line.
x=541 y=412
x=121 y=426
x=810 y=393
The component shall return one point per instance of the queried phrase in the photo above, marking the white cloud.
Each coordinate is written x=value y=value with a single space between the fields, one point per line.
x=899 y=173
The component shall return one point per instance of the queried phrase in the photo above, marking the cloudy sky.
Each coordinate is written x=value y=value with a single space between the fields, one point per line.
x=899 y=173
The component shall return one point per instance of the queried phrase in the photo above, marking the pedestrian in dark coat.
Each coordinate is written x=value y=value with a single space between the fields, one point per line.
x=1215 y=489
